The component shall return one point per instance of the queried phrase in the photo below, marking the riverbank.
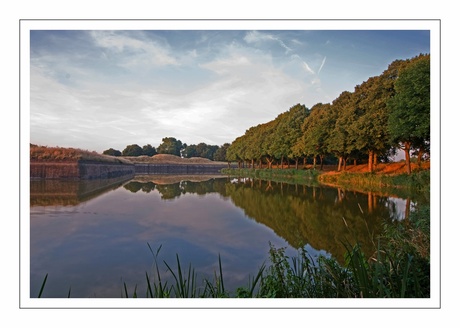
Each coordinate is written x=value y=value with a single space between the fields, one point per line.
x=387 y=178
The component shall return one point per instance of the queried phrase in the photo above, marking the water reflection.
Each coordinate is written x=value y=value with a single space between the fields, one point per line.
x=95 y=234
x=322 y=217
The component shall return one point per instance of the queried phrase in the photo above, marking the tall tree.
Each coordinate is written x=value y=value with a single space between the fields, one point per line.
x=316 y=128
x=339 y=141
x=221 y=153
x=370 y=129
x=409 y=117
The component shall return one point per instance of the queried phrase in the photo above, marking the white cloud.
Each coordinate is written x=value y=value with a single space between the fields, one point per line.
x=135 y=51
x=258 y=37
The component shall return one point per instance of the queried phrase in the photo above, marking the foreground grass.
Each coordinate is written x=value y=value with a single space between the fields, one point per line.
x=398 y=268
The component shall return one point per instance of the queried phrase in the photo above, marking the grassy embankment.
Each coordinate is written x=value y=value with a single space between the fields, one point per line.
x=60 y=154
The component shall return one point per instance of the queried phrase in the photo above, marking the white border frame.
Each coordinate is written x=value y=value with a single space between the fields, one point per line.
x=238 y=24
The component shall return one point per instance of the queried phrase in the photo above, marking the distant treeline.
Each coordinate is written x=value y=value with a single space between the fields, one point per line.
x=173 y=146
x=385 y=113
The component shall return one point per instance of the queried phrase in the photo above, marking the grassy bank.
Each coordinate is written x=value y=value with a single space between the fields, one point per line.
x=286 y=175
x=401 y=184
x=417 y=181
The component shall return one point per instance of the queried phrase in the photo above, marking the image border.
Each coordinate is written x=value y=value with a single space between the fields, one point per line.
x=26 y=25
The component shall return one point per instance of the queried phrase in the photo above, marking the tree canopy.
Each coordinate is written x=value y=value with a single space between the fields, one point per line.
x=170 y=145
x=409 y=109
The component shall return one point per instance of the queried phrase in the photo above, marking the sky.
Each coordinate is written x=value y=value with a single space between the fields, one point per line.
x=101 y=89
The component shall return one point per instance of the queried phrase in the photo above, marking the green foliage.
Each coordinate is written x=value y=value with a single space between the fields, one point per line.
x=286 y=175
x=409 y=118
x=201 y=150
x=170 y=146
x=132 y=150
x=221 y=153
x=112 y=152
x=148 y=150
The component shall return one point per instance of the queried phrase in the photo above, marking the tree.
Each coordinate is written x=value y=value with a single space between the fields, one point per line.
x=170 y=146
x=221 y=153
x=339 y=141
x=132 y=150
x=112 y=152
x=148 y=150
x=409 y=117
x=315 y=130
x=190 y=151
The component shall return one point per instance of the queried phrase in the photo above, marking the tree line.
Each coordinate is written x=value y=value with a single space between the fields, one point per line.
x=384 y=113
x=173 y=146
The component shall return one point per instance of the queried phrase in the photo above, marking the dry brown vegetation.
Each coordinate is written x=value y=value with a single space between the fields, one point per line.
x=60 y=154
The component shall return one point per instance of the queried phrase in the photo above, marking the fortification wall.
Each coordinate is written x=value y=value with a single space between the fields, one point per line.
x=79 y=170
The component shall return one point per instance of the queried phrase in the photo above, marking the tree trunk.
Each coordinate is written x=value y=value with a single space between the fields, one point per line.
x=344 y=159
x=370 y=161
x=269 y=161
x=407 y=212
x=419 y=157
x=339 y=167
x=321 y=162
x=314 y=162
x=407 y=153
x=296 y=163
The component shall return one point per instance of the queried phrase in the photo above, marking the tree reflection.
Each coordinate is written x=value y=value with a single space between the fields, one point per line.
x=322 y=217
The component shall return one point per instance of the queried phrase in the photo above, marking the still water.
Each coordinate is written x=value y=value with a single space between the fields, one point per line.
x=93 y=237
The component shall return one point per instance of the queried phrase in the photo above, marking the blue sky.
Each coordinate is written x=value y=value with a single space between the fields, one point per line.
x=100 y=89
